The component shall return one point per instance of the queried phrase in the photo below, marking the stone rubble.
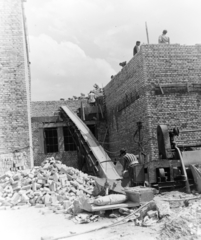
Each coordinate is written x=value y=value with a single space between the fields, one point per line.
x=53 y=184
x=59 y=188
x=186 y=224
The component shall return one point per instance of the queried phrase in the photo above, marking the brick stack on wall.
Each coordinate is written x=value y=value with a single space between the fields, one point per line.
x=167 y=80
x=15 y=121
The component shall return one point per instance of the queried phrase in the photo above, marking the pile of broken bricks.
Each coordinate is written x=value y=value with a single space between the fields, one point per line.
x=60 y=188
x=52 y=184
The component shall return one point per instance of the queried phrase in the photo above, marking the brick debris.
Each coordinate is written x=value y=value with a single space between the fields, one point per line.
x=52 y=184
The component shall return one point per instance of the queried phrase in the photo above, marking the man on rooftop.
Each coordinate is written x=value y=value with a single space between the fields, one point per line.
x=163 y=38
x=136 y=49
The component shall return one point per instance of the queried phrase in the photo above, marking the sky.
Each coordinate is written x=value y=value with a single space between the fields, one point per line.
x=77 y=43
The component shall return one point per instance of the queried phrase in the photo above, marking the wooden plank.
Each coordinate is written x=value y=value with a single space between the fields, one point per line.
x=52 y=125
x=160 y=88
x=82 y=112
x=45 y=119
x=101 y=111
x=172 y=85
x=41 y=141
x=60 y=139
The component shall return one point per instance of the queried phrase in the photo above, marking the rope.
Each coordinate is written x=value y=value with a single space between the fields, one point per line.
x=122 y=221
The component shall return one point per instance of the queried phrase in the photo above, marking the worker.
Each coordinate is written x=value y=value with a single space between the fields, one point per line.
x=163 y=38
x=129 y=160
x=136 y=49
x=92 y=98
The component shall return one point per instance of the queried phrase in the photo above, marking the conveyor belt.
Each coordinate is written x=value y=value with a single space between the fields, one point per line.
x=102 y=163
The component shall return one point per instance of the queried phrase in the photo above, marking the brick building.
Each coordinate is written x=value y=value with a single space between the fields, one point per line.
x=15 y=120
x=52 y=135
x=160 y=85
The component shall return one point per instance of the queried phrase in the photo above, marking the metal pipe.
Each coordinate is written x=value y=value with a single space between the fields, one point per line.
x=184 y=170
x=190 y=130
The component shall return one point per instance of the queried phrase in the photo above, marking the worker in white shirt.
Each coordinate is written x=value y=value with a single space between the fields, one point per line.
x=92 y=98
x=163 y=38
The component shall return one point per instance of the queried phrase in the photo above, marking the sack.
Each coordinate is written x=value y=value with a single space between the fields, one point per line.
x=110 y=199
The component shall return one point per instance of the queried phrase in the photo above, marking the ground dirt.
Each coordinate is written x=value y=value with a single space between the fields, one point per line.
x=30 y=223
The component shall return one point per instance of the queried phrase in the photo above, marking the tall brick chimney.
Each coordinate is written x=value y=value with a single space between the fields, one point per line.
x=15 y=119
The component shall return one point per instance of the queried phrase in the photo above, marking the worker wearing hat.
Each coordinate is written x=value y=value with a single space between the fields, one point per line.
x=129 y=160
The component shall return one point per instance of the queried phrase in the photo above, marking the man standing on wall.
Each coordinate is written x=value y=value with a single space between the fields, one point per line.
x=136 y=49
x=129 y=160
x=92 y=98
x=163 y=38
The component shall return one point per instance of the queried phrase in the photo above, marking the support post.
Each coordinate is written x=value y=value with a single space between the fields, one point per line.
x=147 y=32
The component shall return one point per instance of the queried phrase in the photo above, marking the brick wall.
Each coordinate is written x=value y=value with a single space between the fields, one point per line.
x=14 y=83
x=126 y=104
x=178 y=106
x=47 y=109
x=44 y=114
x=177 y=69
x=69 y=158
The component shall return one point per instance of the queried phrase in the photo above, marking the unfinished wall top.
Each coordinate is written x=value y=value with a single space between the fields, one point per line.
x=47 y=108
x=159 y=85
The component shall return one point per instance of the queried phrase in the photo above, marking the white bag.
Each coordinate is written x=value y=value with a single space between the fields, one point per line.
x=110 y=199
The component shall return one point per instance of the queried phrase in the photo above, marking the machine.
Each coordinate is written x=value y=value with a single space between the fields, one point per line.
x=172 y=169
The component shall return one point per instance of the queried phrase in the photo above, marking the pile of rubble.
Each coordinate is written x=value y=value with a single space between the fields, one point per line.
x=52 y=184
x=184 y=223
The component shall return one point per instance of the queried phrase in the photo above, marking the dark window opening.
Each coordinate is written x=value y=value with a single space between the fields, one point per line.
x=92 y=129
x=51 y=140
x=69 y=143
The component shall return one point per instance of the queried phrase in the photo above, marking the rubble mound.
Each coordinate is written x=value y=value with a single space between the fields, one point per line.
x=185 y=225
x=177 y=228
x=52 y=184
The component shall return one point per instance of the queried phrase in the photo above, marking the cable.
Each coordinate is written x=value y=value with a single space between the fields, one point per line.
x=122 y=221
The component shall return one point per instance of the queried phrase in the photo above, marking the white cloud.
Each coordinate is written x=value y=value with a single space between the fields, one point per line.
x=84 y=40
x=60 y=70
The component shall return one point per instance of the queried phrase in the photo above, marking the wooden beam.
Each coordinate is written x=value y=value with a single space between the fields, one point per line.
x=46 y=119
x=160 y=88
x=52 y=125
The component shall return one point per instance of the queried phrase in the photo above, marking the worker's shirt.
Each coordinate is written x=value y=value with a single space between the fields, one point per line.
x=129 y=160
x=92 y=98
x=163 y=39
x=136 y=50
